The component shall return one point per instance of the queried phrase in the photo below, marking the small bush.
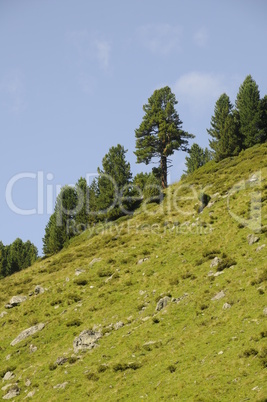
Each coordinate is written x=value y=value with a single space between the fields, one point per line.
x=226 y=263
x=102 y=368
x=171 y=368
x=155 y=320
x=72 y=359
x=74 y=323
x=174 y=280
x=104 y=271
x=250 y=352
x=81 y=281
x=52 y=366
x=92 y=377
x=126 y=366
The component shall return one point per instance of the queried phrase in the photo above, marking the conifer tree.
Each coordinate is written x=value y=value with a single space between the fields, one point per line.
x=160 y=133
x=226 y=140
x=197 y=158
x=249 y=110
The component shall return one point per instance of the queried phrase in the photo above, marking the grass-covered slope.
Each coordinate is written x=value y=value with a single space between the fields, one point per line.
x=195 y=348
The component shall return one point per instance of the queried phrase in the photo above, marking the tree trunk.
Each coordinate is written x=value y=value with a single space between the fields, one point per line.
x=163 y=164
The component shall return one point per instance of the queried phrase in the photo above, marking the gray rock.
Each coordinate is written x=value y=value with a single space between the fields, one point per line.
x=142 y=260
x=218 y=273
x=12 y=393
x=61 y=360
x=30 y=394
x=215 y=262
x=218 y=296
x=118 y=325
x=3 y=314
x=27 y=332
x=8 y=376
x=162 y=303
x=252 y=238
x=33 y=348
x=226 y=306
x=15 y=301
x=260 y=247
x=265 y=311
x=94 y=261
x=86 y=340
x=27 y=382
x=61 y=386
x=38 y=290
x=79 y=271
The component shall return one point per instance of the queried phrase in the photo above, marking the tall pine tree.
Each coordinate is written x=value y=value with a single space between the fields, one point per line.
x=226 y=140
x=249 y=109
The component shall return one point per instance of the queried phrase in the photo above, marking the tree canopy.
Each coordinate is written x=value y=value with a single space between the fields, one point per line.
x=160 y=132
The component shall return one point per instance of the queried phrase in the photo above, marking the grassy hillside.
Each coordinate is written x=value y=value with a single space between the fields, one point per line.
x=196 y=348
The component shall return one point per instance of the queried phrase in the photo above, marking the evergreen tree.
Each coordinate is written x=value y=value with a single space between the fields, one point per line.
x=263 y=118
x=248 y=107
x=197 y=158
x=82 y=215
x=61 y=225
x=160 y=132
x=16 y=256
x=224 y=130
x=113 y=182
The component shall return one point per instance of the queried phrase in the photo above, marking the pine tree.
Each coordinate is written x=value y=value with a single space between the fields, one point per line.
x=248 y=107
x=197 y=158
x=263 y=118
x=82 y=215
x=160 y=132
x=224 y=130
x=113 y=182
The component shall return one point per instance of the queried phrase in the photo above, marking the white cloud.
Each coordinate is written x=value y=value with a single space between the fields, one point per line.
x=160 y=38
x=12 y=91
x=91 y=48
x=201 y=37
x=199 y=90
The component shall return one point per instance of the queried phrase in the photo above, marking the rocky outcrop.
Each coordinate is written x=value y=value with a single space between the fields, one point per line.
x=162 y=303
x=15 y=301
x=27 y=332
x=86 y=340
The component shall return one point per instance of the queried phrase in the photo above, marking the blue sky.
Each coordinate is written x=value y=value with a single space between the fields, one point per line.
x=74 y=76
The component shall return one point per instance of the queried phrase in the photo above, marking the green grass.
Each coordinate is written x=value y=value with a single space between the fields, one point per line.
x=193 y=349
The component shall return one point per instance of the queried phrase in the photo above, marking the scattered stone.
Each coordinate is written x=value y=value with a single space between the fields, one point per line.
x=94 y=261
x=5 y=387
x=220 y=353
x=253 y=178
x=12 y=393
x=260 y=247
x=118 y=325
x=38 y=290
x=210 y=274
x=8 y=357
x=226 y=306
x=61 y=386
x=218 y=273
x=145 y=319
x=178 y=299
x=86 y=340
x=15 y=301
x=61 y=360
x=27 y=332
x=218 y=296
x=8 y=376
x=67 y=279
x=265 y=311
x=251 y=238
x=30 y=394
x=142 y=292
x=108 y=279
x=142 y=260
x=27 y=382
x=33 y=348
x=210 y=204
x=3 y=314
x=215 y=262
x=162 y=303
x=79 y=271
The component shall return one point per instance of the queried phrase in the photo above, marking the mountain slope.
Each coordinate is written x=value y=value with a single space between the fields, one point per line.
x=207 y=344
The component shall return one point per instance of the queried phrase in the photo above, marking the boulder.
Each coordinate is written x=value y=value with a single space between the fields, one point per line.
x=38 y=290
x=260 y=247
x=118 y=325
x=218 y=296
x=86 y=340
x=15 y=301
x=252 y=238
x=3 y=314
x=12 y=393
x=27 y=332
x=8 y=376
x=226 y=306
x=215 y=262
x=162 y=303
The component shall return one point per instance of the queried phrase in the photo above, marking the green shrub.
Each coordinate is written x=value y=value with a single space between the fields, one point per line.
x=74 y=323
